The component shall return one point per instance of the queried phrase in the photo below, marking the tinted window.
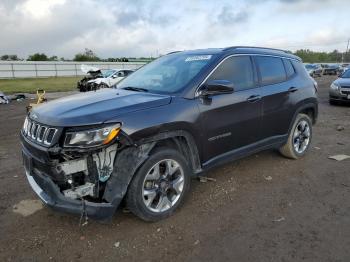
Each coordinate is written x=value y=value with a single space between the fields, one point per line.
x=238 y=70
x=271 y=69
x=289 y=67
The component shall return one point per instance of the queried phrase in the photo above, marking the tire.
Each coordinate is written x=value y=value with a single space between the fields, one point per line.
x=289 y=150
x=332 y=102
x=137 y=194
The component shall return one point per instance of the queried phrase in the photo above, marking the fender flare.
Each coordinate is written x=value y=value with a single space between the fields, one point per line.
x=300 y=109
x=130 y=158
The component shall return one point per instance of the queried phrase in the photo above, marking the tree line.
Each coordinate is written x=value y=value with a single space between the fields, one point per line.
x=87 y=56
x=307 y=55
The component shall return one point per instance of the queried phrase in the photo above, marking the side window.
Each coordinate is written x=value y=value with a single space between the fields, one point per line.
x=238 y=70
x=271 y=70
x=121 y=74
x=289 y=68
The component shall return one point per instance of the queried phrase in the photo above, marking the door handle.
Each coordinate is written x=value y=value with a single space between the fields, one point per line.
x=292 y=89
x=253 y=98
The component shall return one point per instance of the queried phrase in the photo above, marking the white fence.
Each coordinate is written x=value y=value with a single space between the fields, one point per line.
x=22 y=69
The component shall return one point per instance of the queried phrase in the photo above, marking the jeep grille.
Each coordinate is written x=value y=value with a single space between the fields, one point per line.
x=38 y=133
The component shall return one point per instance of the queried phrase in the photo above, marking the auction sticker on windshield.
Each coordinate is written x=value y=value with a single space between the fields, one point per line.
x=198 y=58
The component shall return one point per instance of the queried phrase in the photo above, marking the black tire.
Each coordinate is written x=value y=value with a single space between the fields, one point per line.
x=134 y=197
x=333 y=102
x=288 y=149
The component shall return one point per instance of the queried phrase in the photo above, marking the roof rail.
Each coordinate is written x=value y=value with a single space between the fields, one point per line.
x=257 y=47
x=172 y=52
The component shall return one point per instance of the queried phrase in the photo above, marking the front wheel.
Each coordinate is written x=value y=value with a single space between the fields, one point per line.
x=299 y=138
x=159 y=186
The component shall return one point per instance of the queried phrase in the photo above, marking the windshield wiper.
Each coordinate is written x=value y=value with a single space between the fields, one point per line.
x=137 y=89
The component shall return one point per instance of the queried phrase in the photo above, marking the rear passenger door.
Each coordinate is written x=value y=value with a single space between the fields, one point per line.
x=231 y=121
x=277 y=87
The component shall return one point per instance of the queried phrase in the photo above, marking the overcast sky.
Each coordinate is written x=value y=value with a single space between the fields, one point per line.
x=114 y=28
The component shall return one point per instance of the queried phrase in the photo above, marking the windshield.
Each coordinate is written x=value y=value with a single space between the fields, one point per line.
x=168 y=74
x=108 y=73
x=346 y=74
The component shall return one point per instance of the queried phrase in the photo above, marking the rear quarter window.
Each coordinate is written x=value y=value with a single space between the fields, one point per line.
x=289 y=68
x=271 y=70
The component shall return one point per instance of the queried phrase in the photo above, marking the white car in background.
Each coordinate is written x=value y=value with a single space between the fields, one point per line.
x=110 y=77
x=98 y=78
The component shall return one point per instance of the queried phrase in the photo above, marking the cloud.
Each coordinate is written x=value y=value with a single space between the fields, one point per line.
x=228 y=16
x=143 y=28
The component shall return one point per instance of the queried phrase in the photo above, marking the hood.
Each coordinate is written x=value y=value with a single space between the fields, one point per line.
x=342 y=81
x=95 y=107
x=89 y=69
x=98 y=80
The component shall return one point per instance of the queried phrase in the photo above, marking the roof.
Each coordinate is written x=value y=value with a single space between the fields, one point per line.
x=243 y=50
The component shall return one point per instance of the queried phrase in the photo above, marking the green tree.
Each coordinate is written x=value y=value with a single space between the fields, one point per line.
x=53 y=58
x=9 y=57
x=87 y=55
x=38 y=57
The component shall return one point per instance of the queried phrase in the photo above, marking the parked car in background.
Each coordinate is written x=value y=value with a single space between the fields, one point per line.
x=98 y=78
x=340 y=89
x=172 y=119
x=109 y=78
x=314 y=69
x=92 y=73
x=330 y=69
x=343 y=68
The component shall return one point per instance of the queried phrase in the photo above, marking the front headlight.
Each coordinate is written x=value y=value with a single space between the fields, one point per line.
x=334 y=86
x=92 y=137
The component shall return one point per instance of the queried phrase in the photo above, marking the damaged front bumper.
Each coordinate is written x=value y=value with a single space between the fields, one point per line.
x=50 y=193
x=100 y=187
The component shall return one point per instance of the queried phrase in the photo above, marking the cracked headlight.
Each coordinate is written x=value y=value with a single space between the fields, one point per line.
x=92 y=137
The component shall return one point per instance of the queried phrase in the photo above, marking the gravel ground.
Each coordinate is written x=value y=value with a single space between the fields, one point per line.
x=261 y=208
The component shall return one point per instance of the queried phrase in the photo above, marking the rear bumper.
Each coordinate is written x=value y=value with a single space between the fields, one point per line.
x=50 y=194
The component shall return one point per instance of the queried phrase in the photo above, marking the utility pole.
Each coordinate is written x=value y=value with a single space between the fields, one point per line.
x=347 y=48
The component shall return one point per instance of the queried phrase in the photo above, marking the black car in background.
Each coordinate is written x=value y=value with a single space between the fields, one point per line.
x=174 y=118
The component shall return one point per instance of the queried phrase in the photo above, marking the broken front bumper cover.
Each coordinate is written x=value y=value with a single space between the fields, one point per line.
x=50 y=194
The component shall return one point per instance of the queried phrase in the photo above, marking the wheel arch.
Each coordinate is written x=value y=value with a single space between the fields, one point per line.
x=130 y=158
x=310 y=109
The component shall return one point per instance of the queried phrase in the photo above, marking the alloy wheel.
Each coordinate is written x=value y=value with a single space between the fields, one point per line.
x=163 y=185
x=301 y=136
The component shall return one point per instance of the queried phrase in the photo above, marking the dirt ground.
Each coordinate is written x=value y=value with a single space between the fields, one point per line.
x=261 y=208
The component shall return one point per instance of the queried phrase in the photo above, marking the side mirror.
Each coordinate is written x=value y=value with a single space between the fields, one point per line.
x=216 y=87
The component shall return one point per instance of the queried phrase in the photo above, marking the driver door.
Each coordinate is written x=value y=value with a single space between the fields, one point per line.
x=231 y=121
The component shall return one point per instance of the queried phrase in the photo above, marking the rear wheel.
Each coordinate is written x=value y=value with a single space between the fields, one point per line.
x=159 y=186
x=299 y=139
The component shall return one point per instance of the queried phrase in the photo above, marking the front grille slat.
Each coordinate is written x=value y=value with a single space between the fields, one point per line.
x=50 y=135
x=345 y=90
x=38 y=133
